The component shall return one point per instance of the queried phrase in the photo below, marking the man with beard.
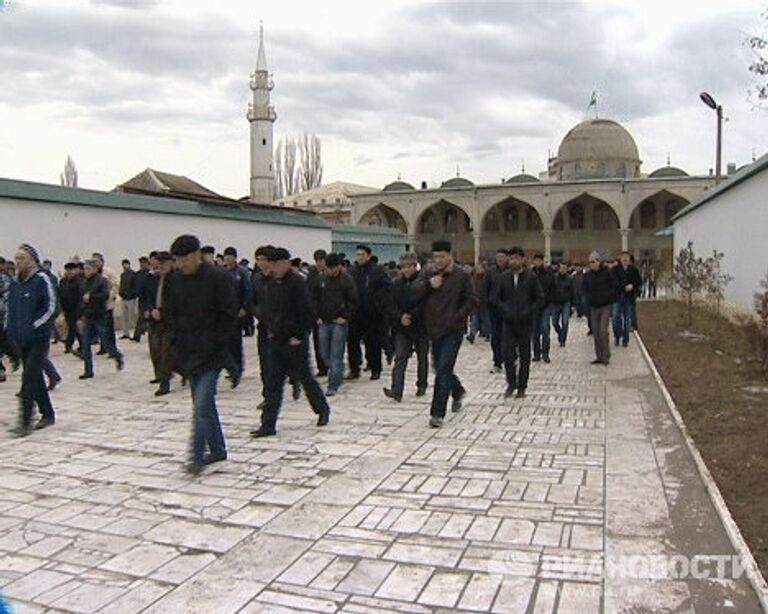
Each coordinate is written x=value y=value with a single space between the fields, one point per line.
x=518 y=298
x=202 y=313
x=334 y=298
x=448 y=300
x=407 y=318
x=367 y=324
x=31 y=307
x=289 y=318
x=93 y=318
x=497 y=321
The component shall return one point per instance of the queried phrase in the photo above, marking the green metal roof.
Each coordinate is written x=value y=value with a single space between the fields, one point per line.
x=368 y=234
x=43 y=192
x=746 y=172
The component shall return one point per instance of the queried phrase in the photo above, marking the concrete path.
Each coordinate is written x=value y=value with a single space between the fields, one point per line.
x=568 y=501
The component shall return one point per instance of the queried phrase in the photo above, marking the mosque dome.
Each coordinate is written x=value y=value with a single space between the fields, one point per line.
x=522 y=178
x=668 y=171
x=398 y=186
x=457 y=182
x=596 y=149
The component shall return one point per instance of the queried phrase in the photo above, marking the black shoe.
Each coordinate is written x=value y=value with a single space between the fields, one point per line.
x=183 y=382
x=625 y=342
x=353 y=375
x=616 y=343
x=536 y=359
x=136 y=340
x=262 y=432
x=86 y=376
x=125 y=337
x=261 y=405
x=323 y=418
x=154 y=381
x=435 y=422
x=101 y=353
x=43 y=422
x=509 y=392
x=119 y=362
x=596 y=361
x=520 y=394
x=471 y=338
x=390 y=357
x=163 y=390
x=296 y=392
x=420 y=392
x=53 y=383
x=562 y=344
x=375 y=376
x=209 y=459
x=456 y=404
x=395 y=397
x=234 y=381
x=322 y=373
x=21 y=431
x=546 y=359
x=194 y=468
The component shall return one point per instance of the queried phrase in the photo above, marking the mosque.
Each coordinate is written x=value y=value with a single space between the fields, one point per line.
x=592 y=196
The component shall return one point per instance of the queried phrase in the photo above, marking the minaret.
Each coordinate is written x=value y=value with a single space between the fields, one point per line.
x=261 y=116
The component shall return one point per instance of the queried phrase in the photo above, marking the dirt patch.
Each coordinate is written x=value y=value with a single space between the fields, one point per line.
x=711 y=372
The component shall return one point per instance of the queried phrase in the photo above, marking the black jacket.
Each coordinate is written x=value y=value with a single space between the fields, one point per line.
x=71 y=294
x=140 y=280
x=202 y=315
x=402 y=300
x=625 y=277
x=547 y=280
x=564 y=290
x=599 y=287
x=97 y=289
x=333 y=297
x=287 y=310
x=127 y=290
x=518 y=303
x=148 y=295
x=491 y=281
x=373 y=285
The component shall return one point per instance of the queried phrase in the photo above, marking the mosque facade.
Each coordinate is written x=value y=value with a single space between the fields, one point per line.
x=592 y=196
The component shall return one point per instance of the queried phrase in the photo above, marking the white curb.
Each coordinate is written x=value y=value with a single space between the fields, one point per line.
x=752 y=570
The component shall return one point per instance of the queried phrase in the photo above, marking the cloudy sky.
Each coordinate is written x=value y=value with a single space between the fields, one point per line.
x=391 y=88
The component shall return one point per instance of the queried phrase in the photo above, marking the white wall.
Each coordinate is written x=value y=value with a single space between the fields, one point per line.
x=735 y=223
x=61 y=231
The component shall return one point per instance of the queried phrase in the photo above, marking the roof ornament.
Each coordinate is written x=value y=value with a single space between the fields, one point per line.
x=458 y=173
x=669 y=160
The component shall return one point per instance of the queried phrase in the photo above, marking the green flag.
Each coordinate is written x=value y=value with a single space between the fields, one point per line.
x=592 y=100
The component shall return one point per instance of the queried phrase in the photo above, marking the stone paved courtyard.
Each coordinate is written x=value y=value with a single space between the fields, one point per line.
x=513 y=506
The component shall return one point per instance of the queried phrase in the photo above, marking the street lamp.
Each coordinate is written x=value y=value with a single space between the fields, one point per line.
x=710 y=102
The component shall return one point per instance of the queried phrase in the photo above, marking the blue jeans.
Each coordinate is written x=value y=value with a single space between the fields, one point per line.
x=206 y=425
x=541 y=332
x=622 y=319
x=332 y=340
x=560 y=316
x=97 y=328
x=444 y=353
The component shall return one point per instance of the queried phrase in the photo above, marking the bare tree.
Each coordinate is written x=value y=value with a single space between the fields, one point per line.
x=761 y=338
x=69 y=176
x=311 y=161
x=716 y=280
x=758 y=44
x=291 y=172
x=690 y=276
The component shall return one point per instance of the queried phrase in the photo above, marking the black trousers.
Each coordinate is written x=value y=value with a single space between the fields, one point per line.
x=497 y=325
x=405 y=344
x=72 y=333
x=236 y=351
x=369 y=330
x=321 y=366
x=33 y=388
x=289 y=361
x=516 y=344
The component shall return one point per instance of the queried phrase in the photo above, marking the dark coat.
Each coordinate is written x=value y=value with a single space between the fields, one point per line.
x=97 y=289
x=202 y=314
x=287 y=308
x=71 y=294
x=599 y=287
x=624 y=277
x=547 y=280
x=127 y=289
x=402 y=300
x=31 y=308
x=518 y=303
x=564 y=291
x=373 y=285
x=333 y=297
x=446 y=308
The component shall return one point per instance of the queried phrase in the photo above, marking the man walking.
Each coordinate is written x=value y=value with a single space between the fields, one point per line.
x=314 y=273
x=31 y=308
x=542 y=318
x=5 y=344
x=93 y=318
x=334 y=297
x=289 y=318
x=600 y=290
x=497 y=321
x=448 y=300
x=407 y=318
x=71 y=293
x=241 y=282
x=127 y=292
x=563 y=300
x=159 y=326
x=628 y=282
x=202 y=313
x=518 y=298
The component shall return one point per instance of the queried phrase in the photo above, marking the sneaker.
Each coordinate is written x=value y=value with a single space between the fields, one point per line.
x=194 y=468
x=43 y=422
x=421 y=391
x=509 y=392
x=392 y=395
x=323 y=418
x=520 y=394
x=456 y=405
x=435 y=422
x=263 y=432
x=86 y=376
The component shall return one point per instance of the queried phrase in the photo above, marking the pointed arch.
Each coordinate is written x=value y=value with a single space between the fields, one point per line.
x=511 y=215
x=443 y=217
x=655 y=211
x=384 y=216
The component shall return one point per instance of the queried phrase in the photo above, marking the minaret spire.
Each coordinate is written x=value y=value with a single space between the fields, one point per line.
x=261 y=116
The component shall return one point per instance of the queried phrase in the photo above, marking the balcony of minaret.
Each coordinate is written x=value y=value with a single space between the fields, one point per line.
x=262 y=112
x=262 y=80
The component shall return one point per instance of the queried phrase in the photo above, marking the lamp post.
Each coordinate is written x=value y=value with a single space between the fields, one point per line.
x=710 y=102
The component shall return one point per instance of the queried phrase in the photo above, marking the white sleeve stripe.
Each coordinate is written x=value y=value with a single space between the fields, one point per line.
x=51 y=303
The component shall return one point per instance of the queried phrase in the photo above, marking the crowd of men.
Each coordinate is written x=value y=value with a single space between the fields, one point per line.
x=196 y=307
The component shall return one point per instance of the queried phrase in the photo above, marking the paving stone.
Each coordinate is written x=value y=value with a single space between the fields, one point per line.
x=179 y=532
x=365 y=577
x=405 y=582
x=444 y=589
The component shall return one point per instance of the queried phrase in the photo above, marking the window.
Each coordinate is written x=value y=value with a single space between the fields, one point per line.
x=428 y=223
x=604 y=217
x=558 y=224
x=532 y=219
x=648 y=215
x=451 y=221
x=492 y=221
x=511 y=219
x=576 y=216
x=622 y=169
x=670 y=209
x=263 y=141
x=322 y=201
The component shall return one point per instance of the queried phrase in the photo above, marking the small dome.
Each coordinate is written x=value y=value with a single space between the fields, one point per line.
x=398 y=186
x=457 y=182
x=668 y=171
x=523 y=178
